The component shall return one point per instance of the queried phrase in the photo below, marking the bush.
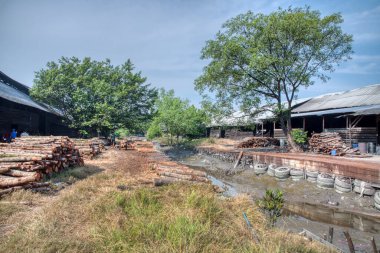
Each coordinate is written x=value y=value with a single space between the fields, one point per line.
x=299 y=136
x=272 y=204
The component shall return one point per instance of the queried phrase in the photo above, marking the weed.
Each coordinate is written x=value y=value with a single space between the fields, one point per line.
x=272 y=204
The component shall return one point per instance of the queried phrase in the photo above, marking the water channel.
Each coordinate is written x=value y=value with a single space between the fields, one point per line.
x=306 y=205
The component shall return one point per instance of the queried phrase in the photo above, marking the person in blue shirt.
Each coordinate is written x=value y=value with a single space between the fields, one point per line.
x=13 y=134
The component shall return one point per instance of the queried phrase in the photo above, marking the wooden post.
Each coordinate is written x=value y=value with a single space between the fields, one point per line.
x=349 y=241
x=323 y=123
x=331 y=234
x=349 y=130
x=238 y=159
x=304 y=123
x=374 y=247
x=262 y=129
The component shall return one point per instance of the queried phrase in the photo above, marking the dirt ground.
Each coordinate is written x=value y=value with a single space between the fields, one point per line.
x=131 y=168
x=88 y=211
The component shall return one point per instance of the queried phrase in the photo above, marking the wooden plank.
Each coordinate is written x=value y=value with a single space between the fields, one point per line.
x=314 y=237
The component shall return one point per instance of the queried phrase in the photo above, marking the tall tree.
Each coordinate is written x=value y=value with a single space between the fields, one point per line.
x=258 y=60
x=176 y=117
x=95 y=95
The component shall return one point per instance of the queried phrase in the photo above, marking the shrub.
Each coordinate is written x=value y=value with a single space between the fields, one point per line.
x=272 y=204
x=299 y=136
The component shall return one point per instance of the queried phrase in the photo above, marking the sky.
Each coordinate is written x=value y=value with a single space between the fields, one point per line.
x=164 y=38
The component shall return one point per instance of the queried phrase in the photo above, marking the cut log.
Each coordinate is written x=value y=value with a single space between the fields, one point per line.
x=6 y=181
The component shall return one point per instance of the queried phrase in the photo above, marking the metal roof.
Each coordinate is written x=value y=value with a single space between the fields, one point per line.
x=240 y=118
x=357 y=110
x=368 y=95
x=9 y=93
x=19 y=93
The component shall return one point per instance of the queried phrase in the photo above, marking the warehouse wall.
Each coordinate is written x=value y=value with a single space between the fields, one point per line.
x=36 y=122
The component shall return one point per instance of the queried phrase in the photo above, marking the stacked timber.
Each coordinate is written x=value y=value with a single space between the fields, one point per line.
x=325 y=143
x=89 y=148
x=127 y=144
x=259 y=142
x=26 y=160
x=168 y=171
x=171 y=172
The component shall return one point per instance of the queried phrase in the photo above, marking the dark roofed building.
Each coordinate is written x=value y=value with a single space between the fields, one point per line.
x=355 y=114
x=19 y=111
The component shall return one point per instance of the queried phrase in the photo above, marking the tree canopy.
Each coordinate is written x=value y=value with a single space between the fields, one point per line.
x=258 y=59
x=176 y=117
x=95 y=95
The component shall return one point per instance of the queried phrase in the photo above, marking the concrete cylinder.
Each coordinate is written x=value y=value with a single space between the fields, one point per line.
x=362 y=147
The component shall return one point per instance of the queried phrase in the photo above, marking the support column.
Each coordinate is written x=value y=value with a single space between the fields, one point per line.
x=323 y=123
x=304 y=123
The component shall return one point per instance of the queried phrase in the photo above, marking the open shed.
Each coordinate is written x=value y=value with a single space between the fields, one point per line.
x=19 y=111
x=355 y=114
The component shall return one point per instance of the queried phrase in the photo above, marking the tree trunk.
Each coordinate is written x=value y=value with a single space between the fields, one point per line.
x=286 y=127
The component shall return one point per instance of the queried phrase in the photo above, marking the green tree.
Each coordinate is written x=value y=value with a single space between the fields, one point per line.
x=176 y=117
x=95 y=95
x=258 y=60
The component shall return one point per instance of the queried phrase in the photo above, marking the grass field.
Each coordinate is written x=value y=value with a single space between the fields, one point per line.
x=95 y=214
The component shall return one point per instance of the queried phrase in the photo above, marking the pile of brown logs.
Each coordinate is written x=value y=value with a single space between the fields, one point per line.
x=127 y=144
x=26 y=160
x=89 y=148
x=168 y=171
x=259 y=142
x=326 y=142
x=171 y=172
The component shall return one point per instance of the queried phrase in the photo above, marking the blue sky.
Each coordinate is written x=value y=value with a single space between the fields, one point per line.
x=163 y=38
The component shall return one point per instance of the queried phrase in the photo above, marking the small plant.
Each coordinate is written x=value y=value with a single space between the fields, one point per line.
x=272 y=204
x=299 y=136
x=211 y=140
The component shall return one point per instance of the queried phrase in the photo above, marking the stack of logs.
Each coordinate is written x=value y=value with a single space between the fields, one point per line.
x=170 y=172
x=89 y=148
x=326 y=142
x=259 y=142
x=127 y=144
x=26 y=160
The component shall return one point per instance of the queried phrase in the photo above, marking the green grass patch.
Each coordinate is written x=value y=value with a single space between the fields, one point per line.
x=175 y=218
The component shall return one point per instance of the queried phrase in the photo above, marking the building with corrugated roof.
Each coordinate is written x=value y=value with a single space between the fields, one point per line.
x=355 y=114
x=19 y=111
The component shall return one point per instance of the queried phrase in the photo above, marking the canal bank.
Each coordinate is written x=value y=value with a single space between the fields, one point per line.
x=307 y=206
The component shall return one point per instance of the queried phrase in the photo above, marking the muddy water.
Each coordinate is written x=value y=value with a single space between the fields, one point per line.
x=306 y=205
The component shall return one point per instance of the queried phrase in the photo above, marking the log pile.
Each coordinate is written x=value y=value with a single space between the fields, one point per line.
x=326 y=142
x=89 y=148
x=168 y=171
x=26 y=160
x=174 y=172
x=259 y=142
x=127 y=144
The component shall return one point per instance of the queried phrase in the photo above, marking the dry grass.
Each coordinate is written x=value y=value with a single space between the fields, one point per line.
x=93 y=215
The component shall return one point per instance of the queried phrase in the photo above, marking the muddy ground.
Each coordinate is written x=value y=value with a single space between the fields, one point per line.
x=306 y=204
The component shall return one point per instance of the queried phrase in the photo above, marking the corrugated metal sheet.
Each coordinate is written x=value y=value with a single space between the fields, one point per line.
x=239 y=118
x=357 y=110
x=368 y=95
x=9 y=93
